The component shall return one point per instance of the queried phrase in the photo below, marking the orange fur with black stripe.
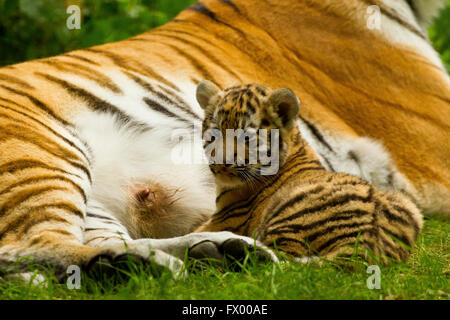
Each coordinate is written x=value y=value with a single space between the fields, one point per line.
x=354 y=82
x=302 y=209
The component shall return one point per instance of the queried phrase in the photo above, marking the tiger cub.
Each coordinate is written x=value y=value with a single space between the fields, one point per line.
x=301 y=209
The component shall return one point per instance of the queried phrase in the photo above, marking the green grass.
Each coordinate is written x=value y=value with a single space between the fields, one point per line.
x=424 y=276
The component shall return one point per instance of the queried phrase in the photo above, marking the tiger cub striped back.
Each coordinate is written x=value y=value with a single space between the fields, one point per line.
x=302 y=209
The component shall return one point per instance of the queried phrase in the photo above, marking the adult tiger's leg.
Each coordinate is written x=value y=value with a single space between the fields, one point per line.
x=44 y=185
x=45 y=182
x=103 y=229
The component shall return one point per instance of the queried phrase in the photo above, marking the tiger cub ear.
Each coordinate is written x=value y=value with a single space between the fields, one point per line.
x=205 y=91
x=284 y=106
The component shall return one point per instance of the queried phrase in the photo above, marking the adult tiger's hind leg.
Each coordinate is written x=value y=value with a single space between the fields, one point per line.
x=44 y=185
x=57 y=244
x=44 y=189
x=103 y=229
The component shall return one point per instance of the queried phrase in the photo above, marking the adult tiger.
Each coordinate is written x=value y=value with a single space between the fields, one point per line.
x=82 y=129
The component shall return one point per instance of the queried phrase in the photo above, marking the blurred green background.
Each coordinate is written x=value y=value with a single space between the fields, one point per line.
x=31 y=29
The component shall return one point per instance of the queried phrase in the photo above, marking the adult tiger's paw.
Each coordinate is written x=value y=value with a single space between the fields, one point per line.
x=123 y=260
x=223 y=247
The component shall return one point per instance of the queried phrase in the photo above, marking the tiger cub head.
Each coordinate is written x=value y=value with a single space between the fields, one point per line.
x=247 y=130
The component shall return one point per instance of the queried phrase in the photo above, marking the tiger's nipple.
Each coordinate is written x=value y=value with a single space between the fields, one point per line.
x=146 y=197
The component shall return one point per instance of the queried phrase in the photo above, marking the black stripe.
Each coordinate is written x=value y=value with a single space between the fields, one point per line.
x=63 y=232
x=84 y=59
x=341 y=216
x=16 y=104
x=409 y=217
x=143 y=69
x=96 y=103
x=279 y=241
x=159 y=108
x=196 y=36
x=340 y=237
x=71 y=143
x=390 y=216
x=108 y=219
x=393 y=250
x=193 y=61
x=222 y=194
x=331 y=229
x=63 y=206
x=83 y=71
x=16 y=201
x=340 y=200
x=36 y=221
x=28 y=221
x=13 y=166
x=298 y=198
x=412 y=5
x=390 y=179
x=103 y=237
x=45 y=149
x=203 y=51
x=201 y=8
x=317 y=134
x=38 y=104
x=250 y=107
x=146 y=70
x=43 y=178
x=235 y=213
x=353 y=156
x=180 y=104
x=31 y=136
x=328 y=163
x=398 y=237
x=15 y=80
x=118 y=60
x=231 y=4
x=96 y=229
x=237 y=43
x=291 y=253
